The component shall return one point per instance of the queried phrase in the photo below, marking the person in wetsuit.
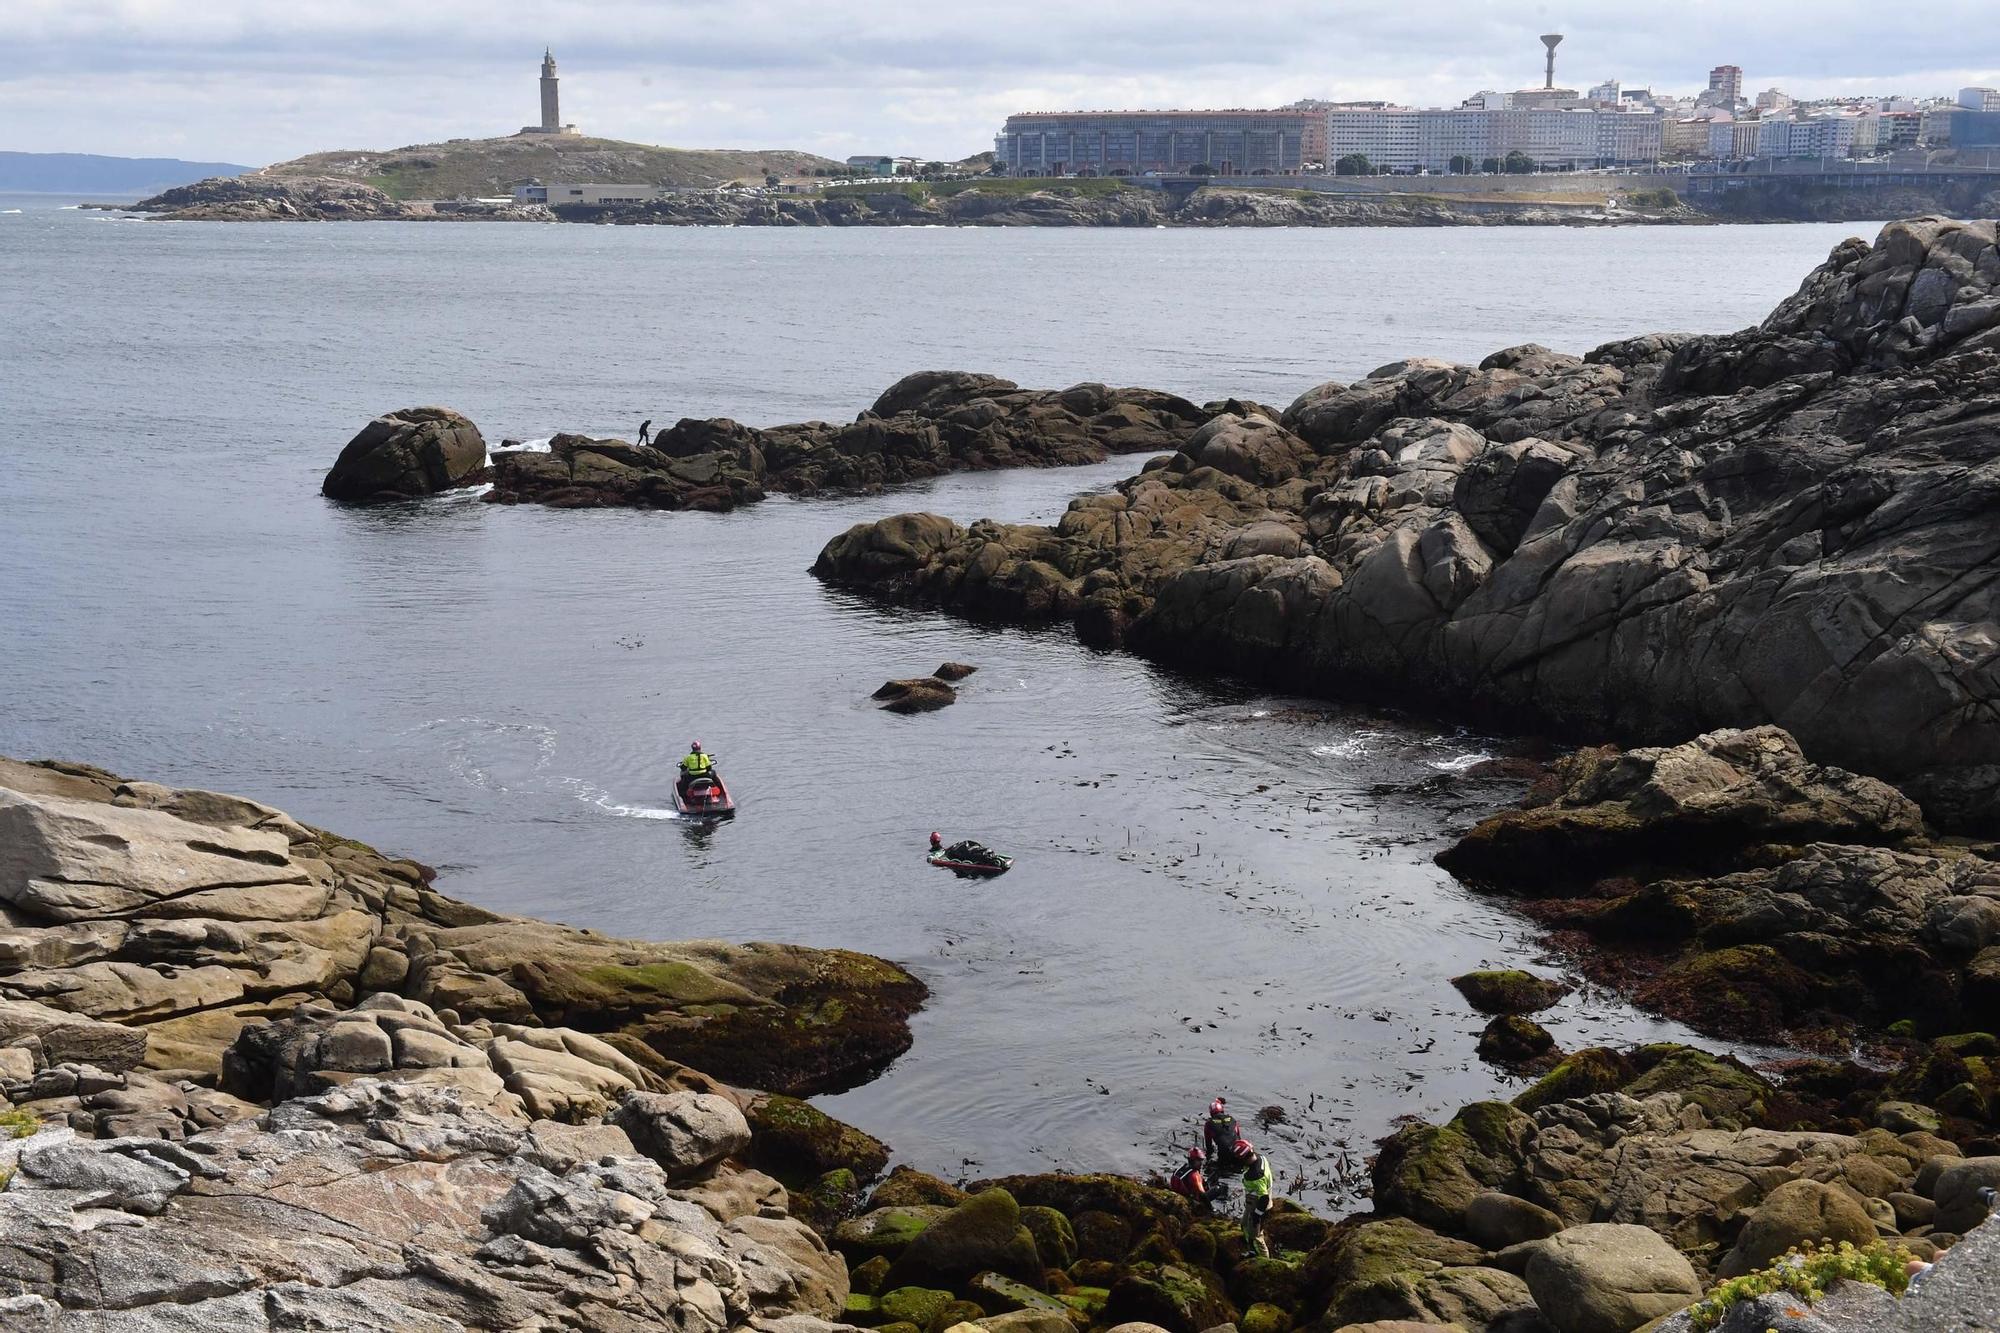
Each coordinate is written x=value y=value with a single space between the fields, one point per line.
x=1187 y=1180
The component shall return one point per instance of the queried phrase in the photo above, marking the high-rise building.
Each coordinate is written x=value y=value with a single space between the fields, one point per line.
x=551 y=102
x=1607 y=91
x=1771 y=99
x=1725 y=84
x=1132 y=143
x=1979 y=99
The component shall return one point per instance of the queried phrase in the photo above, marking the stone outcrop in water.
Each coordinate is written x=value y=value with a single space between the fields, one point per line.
x=258 y=198
x=925 y=425
x=417 y=451
x=189 y=916
x=1740 y=888
x=1791 y=524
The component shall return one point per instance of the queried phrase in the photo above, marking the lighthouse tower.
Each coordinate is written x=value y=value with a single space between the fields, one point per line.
x=551 y=101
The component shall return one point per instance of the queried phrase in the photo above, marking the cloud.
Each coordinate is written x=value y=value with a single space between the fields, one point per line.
x=253 y=81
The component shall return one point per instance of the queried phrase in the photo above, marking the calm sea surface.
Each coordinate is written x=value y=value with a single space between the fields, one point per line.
x=1210 y=896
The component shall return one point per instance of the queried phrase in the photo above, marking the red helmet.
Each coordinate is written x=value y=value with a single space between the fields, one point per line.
x=1243 y=1148
x=937 y=839
x=1219 y=1106
x=1196 y=1155
x=696 y=747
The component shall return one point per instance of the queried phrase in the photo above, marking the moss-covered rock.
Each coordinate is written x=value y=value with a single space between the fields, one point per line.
x=983 y=1233
x=1514 y=1042
x=862 y=1309
x=958 y=1312
x=1265 y=1318
x=828 y=1201
x=1086 y=1301
x=1750 y=991
x=1508 y=991
x=1732 y=1096
x=1470 y=1296
x=907 y=1185
x=914 y=1305
x=1289 y=1227
x=1177 y=1299
x=1055 y=1239
x=1431 y=1172
x=1260 y=1281
x=1102 y=1236
x=884 y=1231
x=866 y=1277
x=1590 y=1070
x=800 y=1144
x=1364 y=1253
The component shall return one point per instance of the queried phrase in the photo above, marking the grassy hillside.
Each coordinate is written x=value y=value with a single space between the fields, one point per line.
x=471 y=167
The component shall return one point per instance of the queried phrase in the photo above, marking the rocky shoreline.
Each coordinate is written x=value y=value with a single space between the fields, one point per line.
x=924 y=425
x=1792 y=525
x=334 y=199
x=265 y=1077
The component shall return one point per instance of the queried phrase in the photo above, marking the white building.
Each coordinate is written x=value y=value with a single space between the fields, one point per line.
x=1979 y=99
x=1772 y=99
x=595 y=195
x=1608 y=91
x=1409 y=139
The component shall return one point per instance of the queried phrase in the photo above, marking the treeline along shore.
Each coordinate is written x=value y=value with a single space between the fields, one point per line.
x=266 y=1077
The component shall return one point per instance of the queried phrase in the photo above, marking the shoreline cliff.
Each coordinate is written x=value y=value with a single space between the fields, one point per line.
x=1791 y=524
x=1023 y=203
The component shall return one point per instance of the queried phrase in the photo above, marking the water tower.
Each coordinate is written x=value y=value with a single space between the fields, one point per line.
x=1551 y=40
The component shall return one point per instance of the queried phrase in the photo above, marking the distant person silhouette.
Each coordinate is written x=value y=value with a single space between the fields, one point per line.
x=645 y=427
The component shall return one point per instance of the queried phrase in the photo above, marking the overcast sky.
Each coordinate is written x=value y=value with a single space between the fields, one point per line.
x=258 y=81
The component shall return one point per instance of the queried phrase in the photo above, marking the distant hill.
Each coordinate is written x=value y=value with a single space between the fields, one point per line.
x=88 y=173
x=475 y=167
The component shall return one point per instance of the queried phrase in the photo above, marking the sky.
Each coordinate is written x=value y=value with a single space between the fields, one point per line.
x=258 y=81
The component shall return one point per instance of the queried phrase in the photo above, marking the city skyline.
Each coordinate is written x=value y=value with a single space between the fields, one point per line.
x=230 y=80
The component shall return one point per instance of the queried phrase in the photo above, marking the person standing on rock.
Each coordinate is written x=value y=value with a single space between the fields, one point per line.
x=645 y=428
x=1256 y=1199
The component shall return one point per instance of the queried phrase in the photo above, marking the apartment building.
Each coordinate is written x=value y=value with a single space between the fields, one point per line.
x=1409 y=138
x=1107 y=143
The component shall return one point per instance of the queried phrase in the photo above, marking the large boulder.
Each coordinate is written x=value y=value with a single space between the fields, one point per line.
x=1691 y=805
x=401 y=455
x=1960 y=1204
x=985 y=1232
x=685 y=1132
x=1798 y=1212
x=1608 y=1278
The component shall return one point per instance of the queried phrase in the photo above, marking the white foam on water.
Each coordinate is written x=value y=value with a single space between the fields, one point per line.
x=1458 y=763
x=9 y=210
x=1360 y=744
x=591 y=794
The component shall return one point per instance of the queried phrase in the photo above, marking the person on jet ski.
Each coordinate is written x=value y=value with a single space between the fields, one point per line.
x=697 y=764
x=967 y=852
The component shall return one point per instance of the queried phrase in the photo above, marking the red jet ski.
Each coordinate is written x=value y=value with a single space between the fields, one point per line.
x=704 y=798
